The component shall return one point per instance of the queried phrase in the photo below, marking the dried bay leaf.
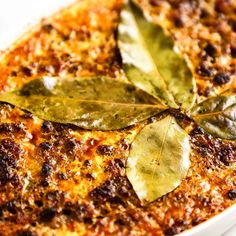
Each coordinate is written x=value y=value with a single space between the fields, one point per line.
x=159 y=159
x=150 y=61
x=82 y=107
x=217 y=115
x=92 y=88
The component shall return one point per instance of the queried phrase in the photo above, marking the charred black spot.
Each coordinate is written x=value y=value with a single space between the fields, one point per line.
x=66 y=212
x=130 y=88
x=62 y=127
x=62 y=176
x=10 y=128
x=197 y=131
x=196 y=221
x=8 y=146
x=45 y=182
x=126 y=219
x=178 y=22
x=65 y=57
x=5 y=174
x=88 y=163
x=155 y=3
x=105 y=192
x=233 y=25
x=25 y=233
x=33 y=224
x=9 y=152
x=120 y=221
x=65 y=37
x=227 y=154
x=88 y=220
x=205 y=70
x=210 y=50
x=73 y=69
x=71 y=144
x=27 y=116
x=15 y=181
x=10 y=207
x=112 y=190
x=170 y=231
x=233 y=51
x=47 y=126
x=38 y=203
x=231 y=194
x=42 y=68
x=45 y=146
x=90 y=176
x=47 y=28
x=117 y=200
x=105 y=150
x=116 y=165
x=204 y=13
x=26 y=71
x=77 y=211
x=47 y=215
x=221 y=78
x=46 y=169
x=13 y=73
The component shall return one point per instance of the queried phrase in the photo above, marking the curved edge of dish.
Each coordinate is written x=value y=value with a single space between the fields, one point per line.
x=216 y=226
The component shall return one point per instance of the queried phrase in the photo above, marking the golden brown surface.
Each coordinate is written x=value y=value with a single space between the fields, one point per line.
x=205 y=31
x=61 y=180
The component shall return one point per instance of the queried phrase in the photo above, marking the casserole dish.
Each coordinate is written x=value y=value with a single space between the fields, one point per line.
x=215 y=225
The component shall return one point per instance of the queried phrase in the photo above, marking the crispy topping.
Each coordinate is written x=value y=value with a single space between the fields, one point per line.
x=231 y=194
x=26 y=71
x=47 y=215
x=221 y=78
x=210 y=50
x=46 y=169
x=47 y=28
x=105 y=150
x=55 y=176
x=25 y=233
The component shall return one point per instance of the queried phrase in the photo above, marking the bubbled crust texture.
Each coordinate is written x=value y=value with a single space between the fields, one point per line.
x=61 y=180
x=205 y=32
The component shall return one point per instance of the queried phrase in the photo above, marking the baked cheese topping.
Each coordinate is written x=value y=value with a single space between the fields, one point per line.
x=61 y=180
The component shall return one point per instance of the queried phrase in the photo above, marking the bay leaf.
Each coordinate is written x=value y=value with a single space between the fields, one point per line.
x=159 y=159
x=150 y=61
x=217 y=115
x=87 y=114
x=92 y=88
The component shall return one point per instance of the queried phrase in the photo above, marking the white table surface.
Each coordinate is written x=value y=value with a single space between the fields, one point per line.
x=16 y=15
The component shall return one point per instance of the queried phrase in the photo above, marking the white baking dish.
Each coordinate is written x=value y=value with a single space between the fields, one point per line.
x=16 y=15
x=215 y=226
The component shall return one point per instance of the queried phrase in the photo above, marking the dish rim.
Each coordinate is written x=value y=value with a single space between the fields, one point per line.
x=224 y=216
x=196 y=230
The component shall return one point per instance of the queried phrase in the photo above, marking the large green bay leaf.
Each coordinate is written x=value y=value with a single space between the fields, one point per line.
x=159 y=159
x=91 y=88
x=77 y=102
x=217 y=115
x=150 y=61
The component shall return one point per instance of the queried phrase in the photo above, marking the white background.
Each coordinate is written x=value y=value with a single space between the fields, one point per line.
x=17 y=15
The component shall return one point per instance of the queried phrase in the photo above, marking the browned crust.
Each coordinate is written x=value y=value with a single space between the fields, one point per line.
x=205 y=31
x=59 y=179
